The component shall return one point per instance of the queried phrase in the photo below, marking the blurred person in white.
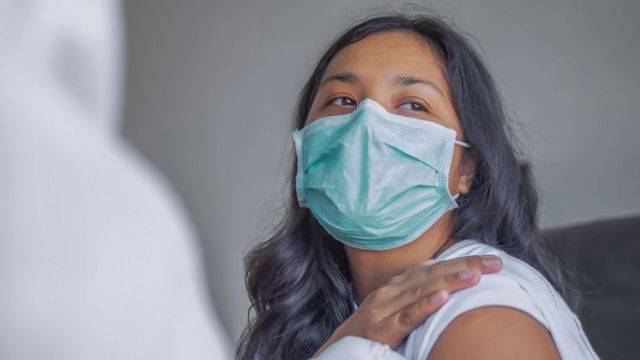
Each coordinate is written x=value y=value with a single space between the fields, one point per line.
x=97 y=260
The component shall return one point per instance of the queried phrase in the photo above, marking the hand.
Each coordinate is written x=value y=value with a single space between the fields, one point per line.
x=391 y=312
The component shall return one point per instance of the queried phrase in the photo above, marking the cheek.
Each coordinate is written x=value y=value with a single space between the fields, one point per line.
x=454 y=174
x=313 y=110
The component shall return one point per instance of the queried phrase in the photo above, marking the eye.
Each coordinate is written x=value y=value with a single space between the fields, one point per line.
x=413 y=106
x=341 y=101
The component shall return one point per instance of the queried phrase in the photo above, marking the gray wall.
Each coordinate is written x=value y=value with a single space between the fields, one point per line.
x=211 y=86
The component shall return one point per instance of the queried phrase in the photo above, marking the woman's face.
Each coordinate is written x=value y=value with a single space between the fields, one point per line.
x=401 y=73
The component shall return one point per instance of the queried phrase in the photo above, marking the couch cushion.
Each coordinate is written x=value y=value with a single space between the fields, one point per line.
x=606 y=255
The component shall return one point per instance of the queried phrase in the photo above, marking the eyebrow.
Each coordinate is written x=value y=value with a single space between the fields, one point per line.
x=347 y=77
x=412 y=80
x=352 y=78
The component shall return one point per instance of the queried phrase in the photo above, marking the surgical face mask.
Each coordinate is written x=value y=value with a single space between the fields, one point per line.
x=374 y=180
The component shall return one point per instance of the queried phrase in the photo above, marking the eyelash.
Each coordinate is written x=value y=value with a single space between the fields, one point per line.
x=331 y=101
x=421 y=107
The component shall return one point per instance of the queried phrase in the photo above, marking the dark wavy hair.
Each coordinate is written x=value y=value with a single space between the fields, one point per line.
x=298 y=280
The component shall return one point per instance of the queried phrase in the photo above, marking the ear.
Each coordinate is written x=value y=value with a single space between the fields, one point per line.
x=466 y=172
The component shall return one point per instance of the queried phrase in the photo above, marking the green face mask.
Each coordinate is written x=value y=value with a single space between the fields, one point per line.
x=374 y=180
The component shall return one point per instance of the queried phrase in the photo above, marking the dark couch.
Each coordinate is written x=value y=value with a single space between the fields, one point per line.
x=606 y=255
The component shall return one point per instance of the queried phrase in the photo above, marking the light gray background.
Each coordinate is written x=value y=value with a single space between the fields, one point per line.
x=211 y=86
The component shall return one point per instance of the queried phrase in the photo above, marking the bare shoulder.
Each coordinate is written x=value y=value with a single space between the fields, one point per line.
x=494 y=332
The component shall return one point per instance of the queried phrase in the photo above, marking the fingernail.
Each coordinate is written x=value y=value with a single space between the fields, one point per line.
x=466 y=274
x=429 y=262
x=439 y=296
x=491 y=261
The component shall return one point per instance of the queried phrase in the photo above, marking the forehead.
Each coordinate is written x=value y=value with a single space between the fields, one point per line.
x=382 y=56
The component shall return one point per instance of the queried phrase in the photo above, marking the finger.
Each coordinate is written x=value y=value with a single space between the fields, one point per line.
x=408 y=318
x=429 y=262
x=486 y=264
x=412 y=270
x=449 y=283
x=453 y=282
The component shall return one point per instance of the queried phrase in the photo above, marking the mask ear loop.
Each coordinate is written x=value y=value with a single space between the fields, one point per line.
x=465 y=145
x=462 y=143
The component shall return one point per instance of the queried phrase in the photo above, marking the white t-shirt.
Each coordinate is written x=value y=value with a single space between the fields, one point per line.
x=516 y=285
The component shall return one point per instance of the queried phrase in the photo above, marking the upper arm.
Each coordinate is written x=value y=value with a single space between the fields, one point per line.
x=494 y=332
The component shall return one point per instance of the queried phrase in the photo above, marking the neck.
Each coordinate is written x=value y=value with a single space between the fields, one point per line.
x=372 y=269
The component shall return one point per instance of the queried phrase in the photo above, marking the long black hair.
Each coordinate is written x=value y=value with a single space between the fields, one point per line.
x=298 y=280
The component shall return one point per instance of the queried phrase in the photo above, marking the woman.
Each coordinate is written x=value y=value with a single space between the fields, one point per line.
x=404 y=154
